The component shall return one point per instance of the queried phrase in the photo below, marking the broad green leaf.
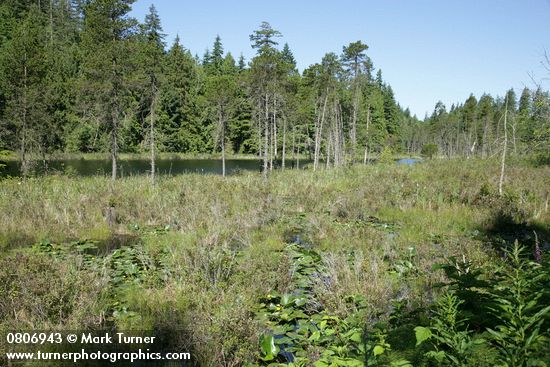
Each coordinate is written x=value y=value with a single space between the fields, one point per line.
x=356 y=337
x=378 y=350
x=438 y=356
x=315 y=336
x=401 y=363
x=321 y=364
x=269 y=349
x=422 y=334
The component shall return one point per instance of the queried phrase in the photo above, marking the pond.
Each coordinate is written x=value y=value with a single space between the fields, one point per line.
x=408 y=161
x=132 y=167
x=165 y=166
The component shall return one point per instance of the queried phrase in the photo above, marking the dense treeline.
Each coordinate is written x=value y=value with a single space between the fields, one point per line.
x=476 y=127
x=83 y=76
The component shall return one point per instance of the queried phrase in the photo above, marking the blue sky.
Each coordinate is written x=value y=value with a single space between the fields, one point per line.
x=428 y=50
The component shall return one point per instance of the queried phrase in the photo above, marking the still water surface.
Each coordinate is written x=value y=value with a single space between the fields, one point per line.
x=165 y=166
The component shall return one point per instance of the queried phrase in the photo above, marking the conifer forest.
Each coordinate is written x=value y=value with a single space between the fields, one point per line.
x=247 y=211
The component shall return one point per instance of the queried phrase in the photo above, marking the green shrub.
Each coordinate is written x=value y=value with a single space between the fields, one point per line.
x=429 y=150
x=453 y=344
x=386 y=156
x=516 y=294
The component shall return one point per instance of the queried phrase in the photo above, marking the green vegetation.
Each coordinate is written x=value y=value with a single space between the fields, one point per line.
x=318 y=268
x=429 y=150
x=85 y=77
x=443 y=263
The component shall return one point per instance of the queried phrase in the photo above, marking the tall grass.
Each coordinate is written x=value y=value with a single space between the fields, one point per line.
x=212 y=246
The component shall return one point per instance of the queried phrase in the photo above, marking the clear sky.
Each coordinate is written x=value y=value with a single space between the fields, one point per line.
x=428 y=50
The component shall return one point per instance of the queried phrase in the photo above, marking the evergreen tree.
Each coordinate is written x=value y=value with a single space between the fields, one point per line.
x=23 y=71
x=106 y=64
x=242 y=63
x=288 y=57
x=379 y=81
x=221 y=92
x=216 y=57
x=265 y=75
x=391 y=110
x=510 y=102
x=524 y=116
x=469 y=125
x=206 y=58
x=179 y=119
x=80 y=75
x=152 y=49
x=486 y=123
x=541 y=124
x=355 y=58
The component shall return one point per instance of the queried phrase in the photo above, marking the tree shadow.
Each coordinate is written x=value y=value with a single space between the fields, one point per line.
x=501 y=231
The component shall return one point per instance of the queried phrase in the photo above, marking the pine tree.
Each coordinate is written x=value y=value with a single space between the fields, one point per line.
x=63 y=25
x=221 y=93
x=106 y=63
x=22 y=76
x=391 y=111
x=511 y=105
x=377 y=132
x=228 y=66
x=206 y=58
x=469 y=125
x=216 y=57
x=152 y=48
x=288 y=56
x=354 y=58
x=179 y=119
x=263 y=39
x=242 y=63
x=525 y=130
x=486 y=121
x=541 y=123
x=264 y=78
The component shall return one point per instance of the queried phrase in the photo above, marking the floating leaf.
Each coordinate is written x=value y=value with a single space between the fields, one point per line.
x=269 y=349
x=315 y=336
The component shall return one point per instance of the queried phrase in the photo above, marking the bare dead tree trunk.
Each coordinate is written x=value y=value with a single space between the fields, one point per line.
x=114 y=121
x=114 y=147
x=503 y=161
x=318 y=132
x=293 y=143
x=485 y=137
x=353 y=132
x=266 y=137
x=514 y=137
x=354 y=122
x=335 y=135
x=283 y=156
x=328 y=148
x=275 y=144
x=365 y=156
x=222 y=125
x=259 y=118
x=298 y=155
x=341 y=142
x=271 y=142
x=152 y=142
x=315 y=148
x=23 y=153
x=472 y=149
x=459 y=144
